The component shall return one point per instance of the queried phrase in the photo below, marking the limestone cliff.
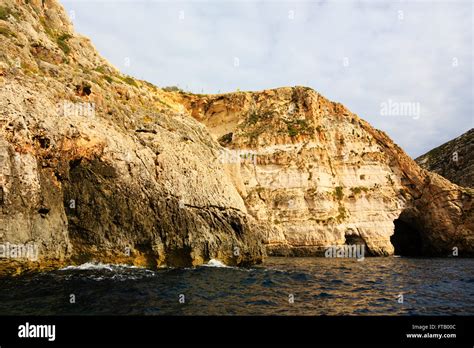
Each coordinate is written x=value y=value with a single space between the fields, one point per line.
x=96 y=165
x=454 y=160
x=316 y=174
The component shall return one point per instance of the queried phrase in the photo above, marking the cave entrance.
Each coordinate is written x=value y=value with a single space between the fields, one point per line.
x=357 y=242
x=406 y=239
x=353 y=239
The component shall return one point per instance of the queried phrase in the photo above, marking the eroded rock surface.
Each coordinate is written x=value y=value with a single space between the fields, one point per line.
x=318 y=175
x=99 y=166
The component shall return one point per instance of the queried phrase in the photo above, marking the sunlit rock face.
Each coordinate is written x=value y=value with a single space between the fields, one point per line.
x=98 y=166
x=318 y=175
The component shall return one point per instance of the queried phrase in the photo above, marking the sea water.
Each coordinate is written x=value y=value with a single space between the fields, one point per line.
x=281 y=286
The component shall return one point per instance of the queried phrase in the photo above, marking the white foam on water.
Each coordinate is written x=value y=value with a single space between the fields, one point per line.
x=97 y=266
x=215 y=263
x=219 y=264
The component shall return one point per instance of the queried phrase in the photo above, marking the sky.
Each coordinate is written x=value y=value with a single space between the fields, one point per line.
x=407 y=67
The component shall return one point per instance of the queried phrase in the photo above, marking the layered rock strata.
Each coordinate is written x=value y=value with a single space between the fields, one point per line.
x=318 y=175
x=98 y=166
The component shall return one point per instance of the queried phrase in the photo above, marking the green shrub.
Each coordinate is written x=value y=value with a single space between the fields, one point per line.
x=5 y=12
x=296 y=127
x=342 y=213
x=355 y=190
x=62 y=43
x=292 y=130
x=129 y=80
x=255 y=116
x=359 y=189
x=338 y=193
x=389 y=179
x=6 y=32
x=252 y=117
x=101 y=69
x=49 y=31
x=162 y=102
x=172 y=89
x=108 y=78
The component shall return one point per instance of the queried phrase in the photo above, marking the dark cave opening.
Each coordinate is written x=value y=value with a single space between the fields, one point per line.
x=352 y=239
x=406 y=239
x=358 y=241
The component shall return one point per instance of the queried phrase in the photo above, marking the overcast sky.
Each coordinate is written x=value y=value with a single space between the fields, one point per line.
x=404 y=66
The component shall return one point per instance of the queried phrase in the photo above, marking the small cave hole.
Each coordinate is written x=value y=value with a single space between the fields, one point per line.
x=352 y=239
x=43 y=142
x=358 y=242
x=83 y=90
x=226 y=139
x=237 y=227
x=43 y=211
x=74 y=163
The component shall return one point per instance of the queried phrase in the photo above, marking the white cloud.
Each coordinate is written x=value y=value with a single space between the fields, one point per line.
x=408 y=59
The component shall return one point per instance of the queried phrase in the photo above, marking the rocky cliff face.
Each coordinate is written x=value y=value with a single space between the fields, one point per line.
x=96 y=165
x=454 y=160
x=318 y=175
